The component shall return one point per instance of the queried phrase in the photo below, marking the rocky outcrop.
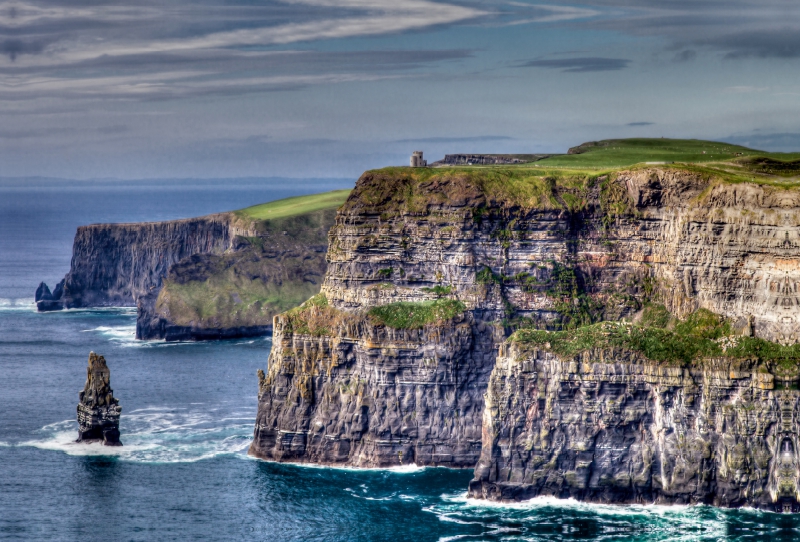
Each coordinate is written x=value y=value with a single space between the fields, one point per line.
x=49 y=301
x=516 y=248
x=98 y=409
x=612 y=426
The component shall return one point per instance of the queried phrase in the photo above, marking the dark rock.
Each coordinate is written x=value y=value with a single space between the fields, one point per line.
x=49 y=305
x=98 y=410
x=49 y=301
x=43 y=293
x=58 y=291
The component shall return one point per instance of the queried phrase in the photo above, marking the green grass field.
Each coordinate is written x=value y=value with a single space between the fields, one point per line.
x=613 y=153
x=297 y=205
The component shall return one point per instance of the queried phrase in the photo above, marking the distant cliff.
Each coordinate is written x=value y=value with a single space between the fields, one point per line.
x=237 y=293
x=113 y=265
x=218 y=276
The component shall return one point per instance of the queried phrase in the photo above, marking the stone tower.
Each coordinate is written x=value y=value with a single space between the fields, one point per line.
x=416 y=159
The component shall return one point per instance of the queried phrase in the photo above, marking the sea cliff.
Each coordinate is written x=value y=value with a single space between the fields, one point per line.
x=214 y=277
x=614 y=426
x=431 y=271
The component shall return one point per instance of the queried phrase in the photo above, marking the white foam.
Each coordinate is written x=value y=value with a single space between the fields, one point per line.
x=125 y=336
x=555 y=502
x=399 y=469
x=682 y=522
x=23 y=304
x=157 y=435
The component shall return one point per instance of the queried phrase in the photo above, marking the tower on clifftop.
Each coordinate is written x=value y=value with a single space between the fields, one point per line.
x=416 y=159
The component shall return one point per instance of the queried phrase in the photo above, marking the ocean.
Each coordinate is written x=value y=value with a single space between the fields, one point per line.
x=188 y=411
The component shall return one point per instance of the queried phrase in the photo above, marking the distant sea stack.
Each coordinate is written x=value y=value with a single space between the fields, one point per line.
x=98 y=410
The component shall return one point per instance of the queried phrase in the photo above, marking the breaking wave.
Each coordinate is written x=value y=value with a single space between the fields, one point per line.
x=24 y=304
x=159 y=435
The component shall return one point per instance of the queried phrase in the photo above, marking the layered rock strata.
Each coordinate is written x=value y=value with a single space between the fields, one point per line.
x=367 y=395
x=612 y=426
x=98 y=409
x=516 y=247
x=236 y=293
x=113 y=265
x=215 y=277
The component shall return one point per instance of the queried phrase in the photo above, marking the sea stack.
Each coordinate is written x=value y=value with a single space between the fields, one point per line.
x=98 y=410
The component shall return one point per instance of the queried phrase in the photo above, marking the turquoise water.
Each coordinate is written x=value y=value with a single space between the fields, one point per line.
x=188 y=413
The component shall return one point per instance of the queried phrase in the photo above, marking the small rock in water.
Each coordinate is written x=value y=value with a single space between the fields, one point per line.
x=98 y=410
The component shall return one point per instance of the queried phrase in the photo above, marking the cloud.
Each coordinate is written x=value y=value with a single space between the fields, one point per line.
x=580 y=65
x=736 y=28
x=640 y=124
x=455 y=139
x=92 y=32
x=204 y=73
x=15 y=47
x=153 y=50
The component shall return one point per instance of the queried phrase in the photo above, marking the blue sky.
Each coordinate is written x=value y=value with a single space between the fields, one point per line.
x=301 y=88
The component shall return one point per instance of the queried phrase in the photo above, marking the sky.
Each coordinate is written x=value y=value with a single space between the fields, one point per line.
x=330 y=88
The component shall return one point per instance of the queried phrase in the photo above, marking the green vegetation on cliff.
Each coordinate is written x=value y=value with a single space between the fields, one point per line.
x=316 y=317
x=415 y=315
x=298 y=205
x=263 y=275
x=659 y=337
x=617 y=153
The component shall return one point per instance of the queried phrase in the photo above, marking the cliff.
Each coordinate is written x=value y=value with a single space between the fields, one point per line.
x=237 y=293
x=431 y=270
x=611 y=424
x=113 y=265
x=219 y=276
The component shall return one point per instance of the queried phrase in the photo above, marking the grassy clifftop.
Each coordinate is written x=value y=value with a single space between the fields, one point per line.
x=617 y=153
x=564 y=181
x=662 y=338
x=299 y=205
x=238 y=292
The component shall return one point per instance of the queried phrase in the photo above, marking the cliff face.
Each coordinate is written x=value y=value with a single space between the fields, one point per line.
x=612 y=426
x=358 y=381
x=236 y=293
x=367 y=395
x=116 y=264
x=214 y=277
x=730 y=248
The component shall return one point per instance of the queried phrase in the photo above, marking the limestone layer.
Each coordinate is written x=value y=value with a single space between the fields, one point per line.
x=610 y=426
